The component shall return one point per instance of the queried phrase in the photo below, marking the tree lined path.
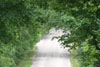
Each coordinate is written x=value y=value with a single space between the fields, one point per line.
x=50 y=53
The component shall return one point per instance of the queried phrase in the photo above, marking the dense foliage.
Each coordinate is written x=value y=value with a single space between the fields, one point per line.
x=82 y=19
x=23 y=22
x=19 y=31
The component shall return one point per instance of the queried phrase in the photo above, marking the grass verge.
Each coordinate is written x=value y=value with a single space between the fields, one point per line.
x=27 y=62
x=74 y=59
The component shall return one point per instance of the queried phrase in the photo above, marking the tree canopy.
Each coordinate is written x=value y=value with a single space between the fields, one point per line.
x=23 y=23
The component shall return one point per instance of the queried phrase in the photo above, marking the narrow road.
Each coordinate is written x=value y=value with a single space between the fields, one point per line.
x=50 y=53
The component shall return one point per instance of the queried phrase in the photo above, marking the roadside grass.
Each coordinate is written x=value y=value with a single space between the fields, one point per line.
x=74 y=59
x=27 y=62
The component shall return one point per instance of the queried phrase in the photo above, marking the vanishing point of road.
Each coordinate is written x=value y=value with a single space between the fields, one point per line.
x=50 y=53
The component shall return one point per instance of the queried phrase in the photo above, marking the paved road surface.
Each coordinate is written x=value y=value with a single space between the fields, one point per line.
x=50 y=53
